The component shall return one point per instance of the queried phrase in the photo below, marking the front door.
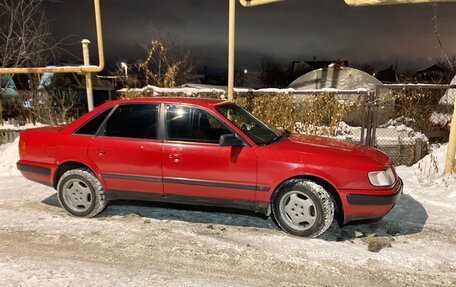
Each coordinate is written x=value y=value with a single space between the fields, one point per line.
x=128 y=151
x=196 y=167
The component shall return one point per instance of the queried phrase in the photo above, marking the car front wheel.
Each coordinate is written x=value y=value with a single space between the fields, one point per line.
x=303 y=208
x=80 y=193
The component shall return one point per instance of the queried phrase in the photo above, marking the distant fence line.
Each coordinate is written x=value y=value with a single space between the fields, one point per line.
x=8 y=136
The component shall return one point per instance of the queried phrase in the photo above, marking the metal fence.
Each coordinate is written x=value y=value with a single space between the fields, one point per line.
x=8 y=136
x=420 y=116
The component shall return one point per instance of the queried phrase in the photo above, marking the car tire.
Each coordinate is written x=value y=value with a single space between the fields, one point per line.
x=80 y=193
x=303 y=208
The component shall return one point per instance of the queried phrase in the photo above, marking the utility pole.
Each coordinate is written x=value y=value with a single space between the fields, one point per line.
x=88 y=76
x=232 y=35
x=231 y=48
x=450 y=163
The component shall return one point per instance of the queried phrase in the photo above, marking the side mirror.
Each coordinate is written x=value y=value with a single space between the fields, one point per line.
x=230 y=140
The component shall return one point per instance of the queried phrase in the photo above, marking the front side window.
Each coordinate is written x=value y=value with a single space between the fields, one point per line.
x=133 y=121
x=255 y=129
x=193 y=125
x=91 y=127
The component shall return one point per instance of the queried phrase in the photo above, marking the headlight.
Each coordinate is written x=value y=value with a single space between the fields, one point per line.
x=382 y=178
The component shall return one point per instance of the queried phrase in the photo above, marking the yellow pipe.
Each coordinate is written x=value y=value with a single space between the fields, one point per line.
x=88 y=76
x=252 y=3
x=231 y=48
x=70 y=69
x=390 y=2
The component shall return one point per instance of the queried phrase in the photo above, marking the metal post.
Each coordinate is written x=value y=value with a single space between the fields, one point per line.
x=451 y=152
x=231 y=38
x=88 y=76
x=363 y=118
x=231 y=47
x=369 y=119
x=376 y=98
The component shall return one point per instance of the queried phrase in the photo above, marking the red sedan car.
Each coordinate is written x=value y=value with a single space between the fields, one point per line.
x=208 y=152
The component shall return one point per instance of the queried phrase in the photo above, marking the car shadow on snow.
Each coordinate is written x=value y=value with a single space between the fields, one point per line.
x=407 y=217
x=179 y=212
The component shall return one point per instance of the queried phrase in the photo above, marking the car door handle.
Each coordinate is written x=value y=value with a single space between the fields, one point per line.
x=175 y=157
x=101 y=152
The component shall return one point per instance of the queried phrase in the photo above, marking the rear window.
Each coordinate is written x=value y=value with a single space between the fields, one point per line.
x=91 y=127
x=133 y=121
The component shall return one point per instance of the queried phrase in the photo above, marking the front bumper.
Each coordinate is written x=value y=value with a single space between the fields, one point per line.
x=370 y=205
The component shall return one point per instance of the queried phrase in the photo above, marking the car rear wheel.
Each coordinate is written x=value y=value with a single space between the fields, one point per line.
x=80 y=193
x=303 y=208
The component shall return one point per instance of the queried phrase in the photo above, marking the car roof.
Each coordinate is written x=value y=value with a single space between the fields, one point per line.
x=180 y=100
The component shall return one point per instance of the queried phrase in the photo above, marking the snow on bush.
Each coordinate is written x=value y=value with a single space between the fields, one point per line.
x=403 y=130
x=429 y=172
x=431 y=167
x=341 y=130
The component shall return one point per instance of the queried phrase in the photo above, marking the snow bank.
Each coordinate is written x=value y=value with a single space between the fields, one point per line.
x=429 y=170
x=426 y=183
x=9 y=155
x=10 y=126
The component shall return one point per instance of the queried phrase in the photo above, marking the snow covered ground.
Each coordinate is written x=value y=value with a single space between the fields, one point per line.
x=144 y=244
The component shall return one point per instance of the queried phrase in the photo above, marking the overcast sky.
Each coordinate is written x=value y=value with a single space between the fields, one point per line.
x=290 y=30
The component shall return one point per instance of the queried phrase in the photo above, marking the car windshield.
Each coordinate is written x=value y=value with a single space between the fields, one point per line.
x=255 y=129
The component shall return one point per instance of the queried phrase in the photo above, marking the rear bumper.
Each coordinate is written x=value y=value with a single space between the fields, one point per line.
x=38 y=172
x=368 y=204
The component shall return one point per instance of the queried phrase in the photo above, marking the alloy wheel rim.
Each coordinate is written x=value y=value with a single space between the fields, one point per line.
x=77 y=195
x=298 y=210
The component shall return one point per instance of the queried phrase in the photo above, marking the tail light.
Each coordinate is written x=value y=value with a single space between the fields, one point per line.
x=22 y=148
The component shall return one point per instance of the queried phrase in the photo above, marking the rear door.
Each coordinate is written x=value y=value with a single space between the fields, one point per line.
x=127 y=150
x=197 y=168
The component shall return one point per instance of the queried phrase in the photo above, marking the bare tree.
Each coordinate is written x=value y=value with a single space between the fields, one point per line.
x=448 y=62
x=168 y=63
x=25 y=38
x=273 y=74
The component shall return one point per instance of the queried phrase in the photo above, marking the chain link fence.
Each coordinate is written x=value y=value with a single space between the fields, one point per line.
x=421 y=116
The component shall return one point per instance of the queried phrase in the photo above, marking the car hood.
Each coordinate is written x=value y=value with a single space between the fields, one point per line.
x=327 y=146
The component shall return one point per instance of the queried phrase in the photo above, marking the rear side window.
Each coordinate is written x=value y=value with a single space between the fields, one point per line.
x=91 y=127
x=133 y=121
x=193 y=125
